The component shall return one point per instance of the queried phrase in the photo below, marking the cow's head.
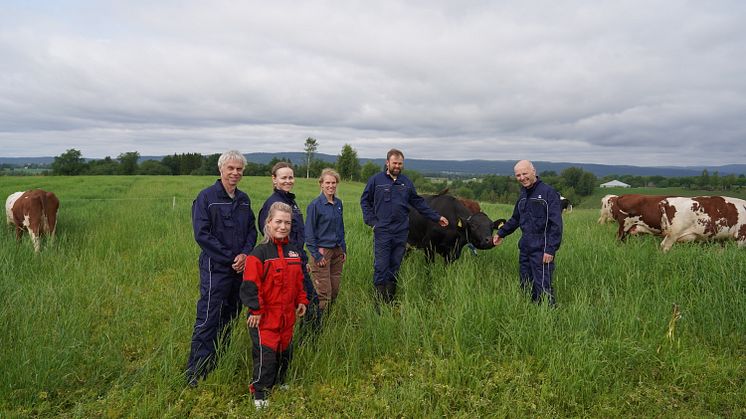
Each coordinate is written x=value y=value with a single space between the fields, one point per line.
x=478 y=228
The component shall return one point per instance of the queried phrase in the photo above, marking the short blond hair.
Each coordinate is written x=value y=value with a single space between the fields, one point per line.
x=329 y=172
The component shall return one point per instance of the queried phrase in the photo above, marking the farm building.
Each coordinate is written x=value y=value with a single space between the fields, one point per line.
x=614 y=184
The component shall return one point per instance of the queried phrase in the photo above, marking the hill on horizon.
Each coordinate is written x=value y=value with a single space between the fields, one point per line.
x=464 y=167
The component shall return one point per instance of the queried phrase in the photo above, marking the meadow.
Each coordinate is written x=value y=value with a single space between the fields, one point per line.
x=99 y=323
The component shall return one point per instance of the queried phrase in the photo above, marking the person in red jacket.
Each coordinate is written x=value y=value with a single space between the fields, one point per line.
x=272 y=289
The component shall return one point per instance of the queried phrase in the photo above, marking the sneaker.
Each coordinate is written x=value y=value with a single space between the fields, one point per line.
x=261 y=404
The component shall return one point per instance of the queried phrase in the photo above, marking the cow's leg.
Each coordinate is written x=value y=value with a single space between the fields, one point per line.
x=35 y=239
x=667 y=243
x=621 y=234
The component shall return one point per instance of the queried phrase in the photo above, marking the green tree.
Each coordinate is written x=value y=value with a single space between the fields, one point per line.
x=348 y=165
x=69 y=163
x=310 y=147
x=571 y=176
x=587 y=184
x=128 y=162
x=153 y=167
x=704 y=180
x=105 y=166
x=369 y=169
x=209 y=166
x=255 y=169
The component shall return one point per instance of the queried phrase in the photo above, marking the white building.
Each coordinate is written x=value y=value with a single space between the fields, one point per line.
x=614 y=184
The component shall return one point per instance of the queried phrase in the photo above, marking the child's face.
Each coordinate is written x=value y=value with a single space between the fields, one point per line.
x=279 y=224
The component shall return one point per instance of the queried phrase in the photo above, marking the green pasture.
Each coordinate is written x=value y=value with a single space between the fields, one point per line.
x=99 y=323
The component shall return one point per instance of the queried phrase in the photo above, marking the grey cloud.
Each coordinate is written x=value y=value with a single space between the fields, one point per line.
x=633 y=82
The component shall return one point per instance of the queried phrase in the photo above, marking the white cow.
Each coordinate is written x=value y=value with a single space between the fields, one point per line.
x=702 y=218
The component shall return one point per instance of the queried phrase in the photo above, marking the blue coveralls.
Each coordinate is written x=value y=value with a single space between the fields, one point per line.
x=223 y=228
x=296 y=237
x=539 y=215
x=385 y=205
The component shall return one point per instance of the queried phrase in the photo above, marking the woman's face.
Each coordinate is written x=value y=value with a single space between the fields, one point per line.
x=329 y=185
x=278 y=225
x=283 y=179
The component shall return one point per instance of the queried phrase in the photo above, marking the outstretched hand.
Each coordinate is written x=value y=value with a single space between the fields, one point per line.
x=443 y=221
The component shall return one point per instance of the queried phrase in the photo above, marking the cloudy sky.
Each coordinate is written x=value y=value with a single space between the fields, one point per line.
x=612 y=82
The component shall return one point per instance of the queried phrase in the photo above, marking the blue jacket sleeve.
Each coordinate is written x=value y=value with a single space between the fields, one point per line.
x=203 y=236
x=554 y=228
x=311 y=240
x=251 y=234
x=366 y=203
x=342 y=220
x=509 y=227
x=262 y=217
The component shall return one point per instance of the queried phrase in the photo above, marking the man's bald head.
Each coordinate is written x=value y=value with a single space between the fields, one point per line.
x=525 y=173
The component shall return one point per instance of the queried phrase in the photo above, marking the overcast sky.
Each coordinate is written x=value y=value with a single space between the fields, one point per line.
x=613 y=82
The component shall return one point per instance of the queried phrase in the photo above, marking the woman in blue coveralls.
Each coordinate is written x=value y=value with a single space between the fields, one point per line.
x=283 y=180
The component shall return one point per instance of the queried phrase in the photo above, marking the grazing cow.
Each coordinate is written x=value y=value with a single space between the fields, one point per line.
x=637 y=214
x=565 y=204
x=463 y=228
x=608 y=203
x=34 y=211
x=702 y=218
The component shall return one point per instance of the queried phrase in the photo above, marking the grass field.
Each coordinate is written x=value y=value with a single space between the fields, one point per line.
x=99 y=323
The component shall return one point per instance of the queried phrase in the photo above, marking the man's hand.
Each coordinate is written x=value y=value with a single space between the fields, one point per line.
x=238 y=262
x=443 y=221
x=497 y=240
x=301 y=310
x=548 y=258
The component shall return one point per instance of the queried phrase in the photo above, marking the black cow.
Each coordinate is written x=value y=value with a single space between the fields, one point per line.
x=565 y=204
x=463 y=227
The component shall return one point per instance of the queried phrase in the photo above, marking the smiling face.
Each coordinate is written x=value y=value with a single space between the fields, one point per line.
x=525 y=173
x=279 y=224
x=231 y=173
x=329 y=186
x=284 y=179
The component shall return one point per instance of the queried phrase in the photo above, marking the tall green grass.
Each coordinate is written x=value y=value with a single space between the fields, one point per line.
x=99 y=323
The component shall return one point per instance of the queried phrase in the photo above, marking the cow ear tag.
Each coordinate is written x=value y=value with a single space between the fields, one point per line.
x=459 y=222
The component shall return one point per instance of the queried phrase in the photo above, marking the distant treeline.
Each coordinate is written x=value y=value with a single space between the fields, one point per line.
x=572 y=182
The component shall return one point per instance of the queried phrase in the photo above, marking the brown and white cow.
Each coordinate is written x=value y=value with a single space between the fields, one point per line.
x=702 y=218
x=637 y=214
x=34 y=211
x=607 y=207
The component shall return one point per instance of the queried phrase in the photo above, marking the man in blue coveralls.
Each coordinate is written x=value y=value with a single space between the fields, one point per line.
x=385 y=203
x=224 y=229
x=538 y=213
